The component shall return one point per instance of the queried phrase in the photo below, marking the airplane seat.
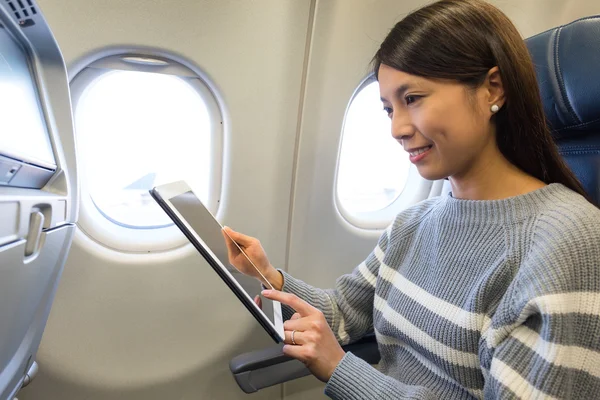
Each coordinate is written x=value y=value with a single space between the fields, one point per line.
x=567 y=60
x=38 y=186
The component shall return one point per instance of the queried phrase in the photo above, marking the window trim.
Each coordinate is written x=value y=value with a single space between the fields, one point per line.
x=415 y=189
x=92 y=221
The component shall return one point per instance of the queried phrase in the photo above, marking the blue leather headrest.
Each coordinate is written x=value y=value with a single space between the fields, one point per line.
x=567 y=63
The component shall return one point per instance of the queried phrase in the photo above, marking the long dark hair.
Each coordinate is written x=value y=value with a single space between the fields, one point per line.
x=462 y=40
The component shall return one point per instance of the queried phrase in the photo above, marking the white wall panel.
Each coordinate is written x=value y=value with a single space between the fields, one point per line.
x=147 y=326
x=163 y=326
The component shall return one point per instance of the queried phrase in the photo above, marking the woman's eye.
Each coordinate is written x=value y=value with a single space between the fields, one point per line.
x=388 y=110
x=410 y=99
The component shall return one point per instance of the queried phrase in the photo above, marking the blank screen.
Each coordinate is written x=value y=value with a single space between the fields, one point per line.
x=207 y=227
x=23 y=132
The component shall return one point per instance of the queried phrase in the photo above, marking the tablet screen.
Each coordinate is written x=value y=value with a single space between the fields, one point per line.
x=209 y=230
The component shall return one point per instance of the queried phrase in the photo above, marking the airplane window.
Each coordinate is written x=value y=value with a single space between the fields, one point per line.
x=373 y=168
x=138 y=130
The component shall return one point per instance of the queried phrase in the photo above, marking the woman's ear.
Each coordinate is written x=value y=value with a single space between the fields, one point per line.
x=495 y=89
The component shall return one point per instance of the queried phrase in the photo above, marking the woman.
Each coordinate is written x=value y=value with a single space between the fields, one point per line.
x=492 y=291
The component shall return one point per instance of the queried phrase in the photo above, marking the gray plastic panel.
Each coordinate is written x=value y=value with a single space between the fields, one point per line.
x=264 y=368
x=16 y=206
x=27 y=287
x=9 y=222
x=8 y=169
x=20 y=174
x=38 y=185
x=253 y=381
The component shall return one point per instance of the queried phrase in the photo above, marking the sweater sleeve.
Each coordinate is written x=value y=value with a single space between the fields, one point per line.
x=348 y=308
x=552 y=348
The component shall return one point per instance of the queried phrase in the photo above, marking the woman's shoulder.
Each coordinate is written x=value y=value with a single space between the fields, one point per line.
x=569 y=213
x=564 y=250
x=567 y=231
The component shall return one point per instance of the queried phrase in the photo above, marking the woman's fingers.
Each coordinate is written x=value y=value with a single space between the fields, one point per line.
x=298 y=337
x=240 y=238
x=303 y=308
x=300 y=324
x=258 y=302
x=294 y=352
x=232 y=249
x=308 y=336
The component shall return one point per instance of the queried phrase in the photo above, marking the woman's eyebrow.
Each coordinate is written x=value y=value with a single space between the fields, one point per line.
x=399 y=92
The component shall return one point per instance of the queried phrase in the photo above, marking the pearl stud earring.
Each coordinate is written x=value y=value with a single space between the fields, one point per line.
x=495 y=108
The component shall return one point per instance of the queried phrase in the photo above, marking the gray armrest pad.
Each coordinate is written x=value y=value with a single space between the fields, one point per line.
x=263 y=368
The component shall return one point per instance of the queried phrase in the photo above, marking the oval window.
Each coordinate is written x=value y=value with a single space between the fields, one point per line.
x=138 y=130
x=373 y=168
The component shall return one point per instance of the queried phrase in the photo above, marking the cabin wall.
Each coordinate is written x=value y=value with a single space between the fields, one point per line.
x=163 y=326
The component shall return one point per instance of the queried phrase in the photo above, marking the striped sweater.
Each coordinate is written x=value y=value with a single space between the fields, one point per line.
x=474 y=299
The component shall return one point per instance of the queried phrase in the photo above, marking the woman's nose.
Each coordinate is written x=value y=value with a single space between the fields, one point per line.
x=402 y=127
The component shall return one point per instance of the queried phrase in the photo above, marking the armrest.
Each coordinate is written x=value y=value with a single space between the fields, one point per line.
x=263 y=368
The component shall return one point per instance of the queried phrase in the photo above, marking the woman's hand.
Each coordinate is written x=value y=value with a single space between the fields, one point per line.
x=255 y=252
x=315 y=344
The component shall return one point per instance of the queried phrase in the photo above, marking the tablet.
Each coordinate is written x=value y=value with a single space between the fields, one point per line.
x=204 y=232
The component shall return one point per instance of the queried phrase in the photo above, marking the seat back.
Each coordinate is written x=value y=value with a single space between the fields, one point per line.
x=38 y=185
x=567 y=63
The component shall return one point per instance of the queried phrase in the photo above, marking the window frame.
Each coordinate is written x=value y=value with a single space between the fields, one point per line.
x=415 y=188
x=93 y=222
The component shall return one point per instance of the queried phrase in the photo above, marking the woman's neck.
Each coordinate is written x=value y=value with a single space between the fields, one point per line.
x=493 y=178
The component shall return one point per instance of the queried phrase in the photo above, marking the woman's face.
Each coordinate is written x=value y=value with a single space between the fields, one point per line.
x=445 y=129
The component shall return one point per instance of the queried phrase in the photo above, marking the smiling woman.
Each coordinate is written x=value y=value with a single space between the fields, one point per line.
x=499 y=111
x=445 y=126
x=485 y=292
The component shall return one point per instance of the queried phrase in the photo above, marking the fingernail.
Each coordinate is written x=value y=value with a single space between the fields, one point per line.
x=266 y=292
